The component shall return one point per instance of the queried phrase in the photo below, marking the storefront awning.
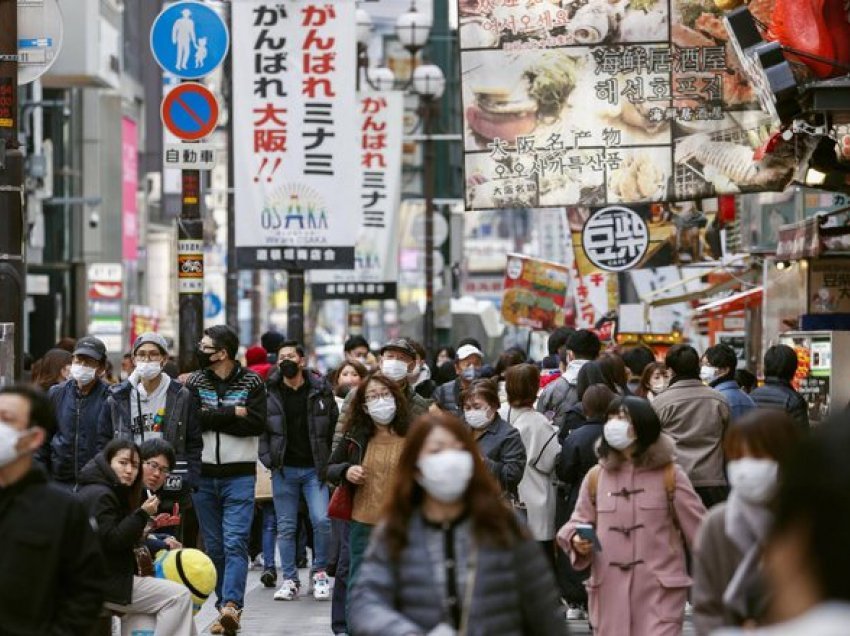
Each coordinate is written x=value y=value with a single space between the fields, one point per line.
x=695 y=295
x=812 y=238
x=730 y=304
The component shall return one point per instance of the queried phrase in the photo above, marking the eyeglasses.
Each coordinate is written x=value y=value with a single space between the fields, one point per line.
x=148 y=357
x=370 y=397
x=207 y=348
x=162 y=470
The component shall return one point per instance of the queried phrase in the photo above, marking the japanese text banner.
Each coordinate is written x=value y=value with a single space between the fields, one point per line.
x=293 y=92
x=598 y=103
x=535 y=292
x=375 y=273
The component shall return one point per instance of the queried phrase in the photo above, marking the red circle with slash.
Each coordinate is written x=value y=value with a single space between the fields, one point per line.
x=190 y=111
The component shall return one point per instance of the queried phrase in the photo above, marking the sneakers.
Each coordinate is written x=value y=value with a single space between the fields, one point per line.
x=288 y=591
x=576 y=613
x=321 y=586
x=268 y=578
x=228 y=620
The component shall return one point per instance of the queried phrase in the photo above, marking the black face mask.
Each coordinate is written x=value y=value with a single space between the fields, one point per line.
x=289 y=369
x=204 y=358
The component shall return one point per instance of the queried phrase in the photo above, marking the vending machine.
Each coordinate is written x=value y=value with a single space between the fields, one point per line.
x=823 y=371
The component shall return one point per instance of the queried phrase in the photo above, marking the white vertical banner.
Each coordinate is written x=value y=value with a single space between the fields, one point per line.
x=375 y=273
x=294 y=69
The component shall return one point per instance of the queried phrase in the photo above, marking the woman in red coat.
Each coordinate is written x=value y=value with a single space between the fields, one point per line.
x=644 y=511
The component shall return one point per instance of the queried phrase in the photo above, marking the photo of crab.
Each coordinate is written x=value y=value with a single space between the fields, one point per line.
x=544 y=24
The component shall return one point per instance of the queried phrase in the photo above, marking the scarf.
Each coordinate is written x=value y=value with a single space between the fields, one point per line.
x=747 y=525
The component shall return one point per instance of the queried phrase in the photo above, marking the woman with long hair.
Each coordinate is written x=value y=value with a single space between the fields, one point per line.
x=450 y=557
x=367 y=454
x=348 y=376
x=643 y=510
x=111 y=486
x=729 y=586
x=654 y=380
x=53 y=368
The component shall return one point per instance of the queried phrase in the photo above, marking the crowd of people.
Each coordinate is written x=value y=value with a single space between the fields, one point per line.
x=438 y=495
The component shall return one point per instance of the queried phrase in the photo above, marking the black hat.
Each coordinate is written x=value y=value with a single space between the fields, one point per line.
x=401 y=345
x=91 y=347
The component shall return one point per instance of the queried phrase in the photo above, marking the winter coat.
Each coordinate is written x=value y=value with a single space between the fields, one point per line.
x=573 y=419
x=537 y=489
x=447 y=397
x=181 y=428
x=75 y=441
x=639 y=581
x=696 y=417
x=557 y=398
x=322 y=415
x=503 y=453
x=513 y=592
x=779 y=394
x=829 y=618
x=119 y=527
x=51 y=564
x=230 y=442
x=349 y=452
x=739 y=402
x=578 y=456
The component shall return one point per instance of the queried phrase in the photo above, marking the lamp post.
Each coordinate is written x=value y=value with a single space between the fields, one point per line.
x=428 y=82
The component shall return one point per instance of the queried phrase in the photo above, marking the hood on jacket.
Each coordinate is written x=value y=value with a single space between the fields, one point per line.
x=661 y=453
x=571 y=374
x=98 y=471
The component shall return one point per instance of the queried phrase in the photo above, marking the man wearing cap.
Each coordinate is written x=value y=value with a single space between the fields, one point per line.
x=150 y=405
x=78 y=403
x=468 y=362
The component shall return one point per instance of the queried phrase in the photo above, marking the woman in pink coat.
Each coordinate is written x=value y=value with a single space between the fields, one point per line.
x=643 y=507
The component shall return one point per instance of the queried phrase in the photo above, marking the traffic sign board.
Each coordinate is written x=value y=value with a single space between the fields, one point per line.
x=190 y=111
x=189 y=39
x=40 y=33
x=195 y=156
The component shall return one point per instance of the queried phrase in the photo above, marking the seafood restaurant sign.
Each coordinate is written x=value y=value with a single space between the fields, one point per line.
x=293 y=103
x=602 y=102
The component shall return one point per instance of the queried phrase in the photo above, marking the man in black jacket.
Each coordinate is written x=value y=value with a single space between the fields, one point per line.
x=780 y=366
x=302 y=415
x=51 y=565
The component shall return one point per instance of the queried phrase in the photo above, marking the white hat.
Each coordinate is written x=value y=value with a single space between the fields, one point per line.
x=468 y=350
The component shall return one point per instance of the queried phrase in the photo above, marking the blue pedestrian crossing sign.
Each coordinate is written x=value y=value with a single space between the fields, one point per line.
x=189 y=39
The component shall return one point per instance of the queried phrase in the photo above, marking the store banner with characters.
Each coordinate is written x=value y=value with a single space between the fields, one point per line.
x=607 y=102
x=535 y=293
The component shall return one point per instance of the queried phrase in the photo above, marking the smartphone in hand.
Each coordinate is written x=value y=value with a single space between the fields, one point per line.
x=587 y=532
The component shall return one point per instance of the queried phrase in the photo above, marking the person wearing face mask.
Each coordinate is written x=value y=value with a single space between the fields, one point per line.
x=78 y=403
x=296 y=446
x=718 y=371
x=420 y=377
x=449 y=558
x=51 y=564
x=468 y=363
x=729 y=587
x=111 y=489
x=654 y=381
x=499 y=444
x=367 y=455
x=645 y=514
x=150 y=405
x=232 y=414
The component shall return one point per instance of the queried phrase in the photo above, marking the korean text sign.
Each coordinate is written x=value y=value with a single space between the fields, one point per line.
x=535 y=292
x=602 y=102
x=375 y=272
x=294 y=95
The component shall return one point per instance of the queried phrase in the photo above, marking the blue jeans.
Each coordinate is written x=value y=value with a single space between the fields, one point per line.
x=287 y=485
x=269 y=535
x=225 y=508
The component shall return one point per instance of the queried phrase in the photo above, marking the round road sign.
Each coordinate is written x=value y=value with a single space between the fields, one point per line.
x=189 y=39
x=190 y=111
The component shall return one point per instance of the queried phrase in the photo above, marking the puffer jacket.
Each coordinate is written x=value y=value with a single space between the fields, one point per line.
x=739 y=402
x=447 y=397
x=322 y=415
x=181 y=429
x=75 y=441
x=119 y=527
x=503 y=453
x=513 y=590
x=779 y=394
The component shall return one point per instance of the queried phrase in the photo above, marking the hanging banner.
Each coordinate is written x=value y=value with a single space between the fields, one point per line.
x=293 y=97
x=535 y=293
x=604 y=102
x=142 y=320
x=129 y=189
x=375 y=272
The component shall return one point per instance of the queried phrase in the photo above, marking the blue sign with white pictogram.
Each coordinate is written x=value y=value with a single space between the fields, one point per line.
x=189 y=39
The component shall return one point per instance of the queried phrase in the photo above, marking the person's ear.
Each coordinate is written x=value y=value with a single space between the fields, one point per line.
x=32 y=439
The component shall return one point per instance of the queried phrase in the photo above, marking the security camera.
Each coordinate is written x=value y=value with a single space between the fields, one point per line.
x=94 y=220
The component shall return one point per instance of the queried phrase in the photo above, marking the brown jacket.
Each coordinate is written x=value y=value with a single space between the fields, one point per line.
x=696 y=417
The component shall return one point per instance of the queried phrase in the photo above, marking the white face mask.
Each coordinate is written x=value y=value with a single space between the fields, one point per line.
x=9 y=437
x=82 y=374
x=148 y=370
x=395 y=370
x=445 y=475
x=478 y=418
x=658 y=387
x=618 y=433
x=754 y=480
x=382 y=410
x=708 y=374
